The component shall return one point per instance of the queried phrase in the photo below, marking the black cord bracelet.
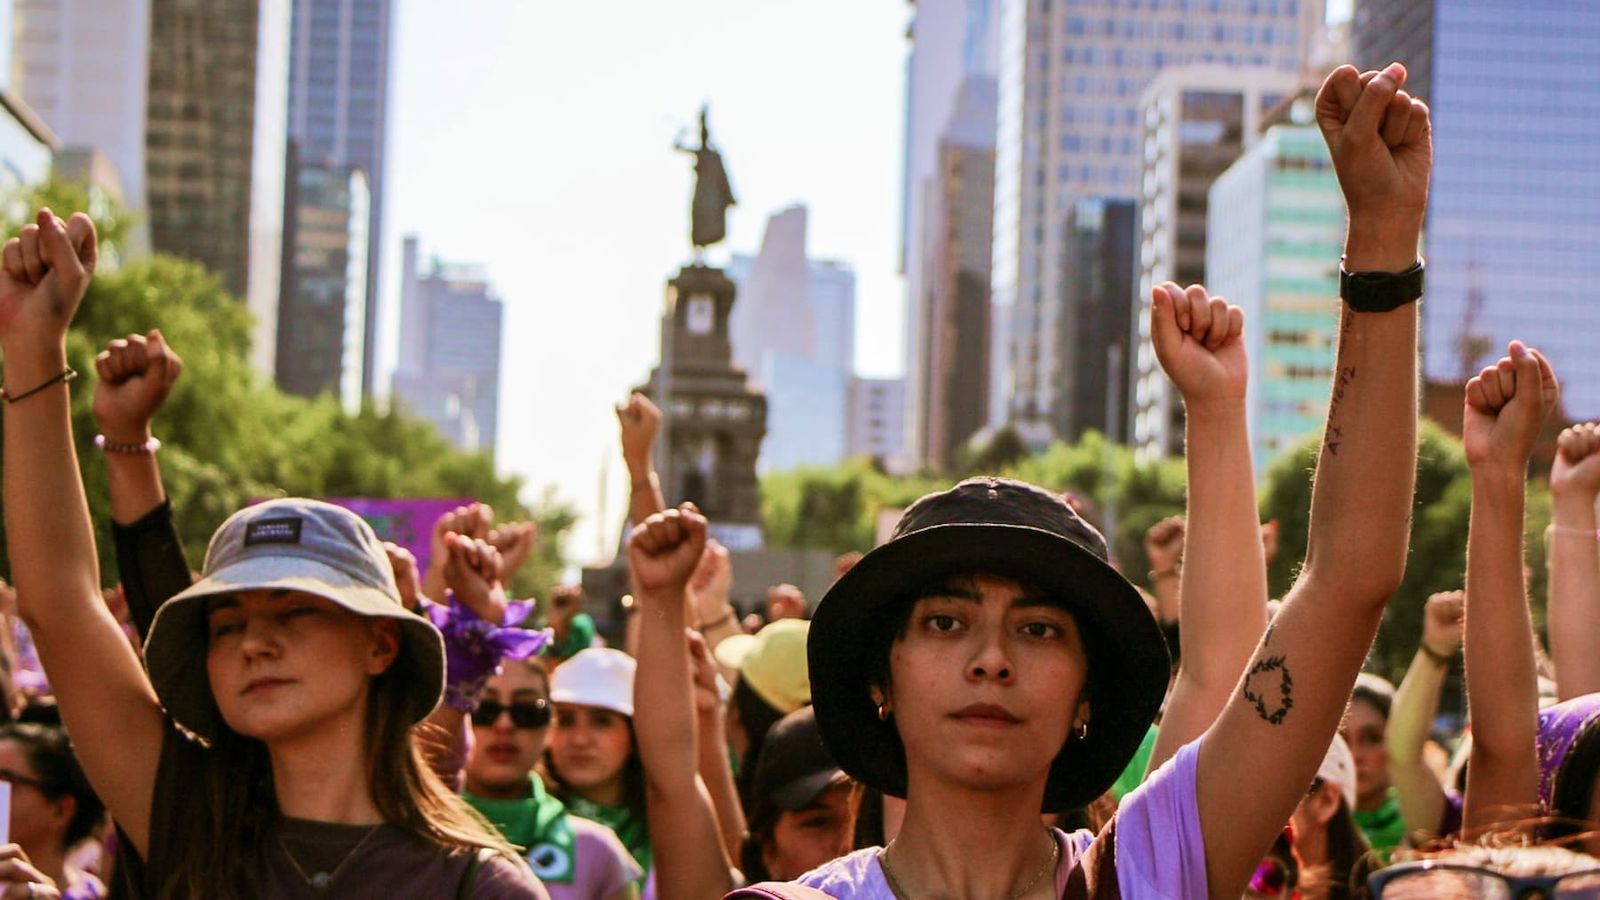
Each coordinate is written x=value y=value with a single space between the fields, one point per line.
x=62 y=377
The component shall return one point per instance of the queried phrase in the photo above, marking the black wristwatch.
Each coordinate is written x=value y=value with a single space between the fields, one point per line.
x=1380 y=291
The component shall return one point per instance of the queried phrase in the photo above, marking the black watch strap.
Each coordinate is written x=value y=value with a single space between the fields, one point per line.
x=1380 y=291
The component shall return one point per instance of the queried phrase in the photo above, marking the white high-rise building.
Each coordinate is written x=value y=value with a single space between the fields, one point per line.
x=83 y=65
x=449 y=366
x=793 y=331
x=1071 y=77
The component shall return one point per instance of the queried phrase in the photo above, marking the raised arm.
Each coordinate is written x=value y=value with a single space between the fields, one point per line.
x=711 y=717
x=1199 y=341
x=1163 y=546
x=690 y=860
x=1416 y=703
x=1505 y=407
x=1574 y=562
x=1258 y=759
x=640 y=421
x=106 y=701
x=710 y=588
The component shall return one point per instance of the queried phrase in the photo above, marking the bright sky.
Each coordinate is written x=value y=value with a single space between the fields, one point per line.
x=536 y=139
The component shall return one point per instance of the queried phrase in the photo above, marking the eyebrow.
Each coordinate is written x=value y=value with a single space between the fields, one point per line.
x=956 y=592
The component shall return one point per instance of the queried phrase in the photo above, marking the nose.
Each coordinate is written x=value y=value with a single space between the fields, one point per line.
x=989 y=660
x=503 y=722
x=260 y=637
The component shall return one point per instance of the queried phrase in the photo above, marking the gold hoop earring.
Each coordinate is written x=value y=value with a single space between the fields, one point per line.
x=883 y=712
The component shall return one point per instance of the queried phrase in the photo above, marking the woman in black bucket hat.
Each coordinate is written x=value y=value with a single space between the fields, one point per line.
x=988 y=664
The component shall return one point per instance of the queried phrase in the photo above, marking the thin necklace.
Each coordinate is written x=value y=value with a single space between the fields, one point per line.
x=900 y=894
x=321 y=880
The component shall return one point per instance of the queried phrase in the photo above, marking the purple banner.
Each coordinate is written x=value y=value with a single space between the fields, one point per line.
x=407 y=522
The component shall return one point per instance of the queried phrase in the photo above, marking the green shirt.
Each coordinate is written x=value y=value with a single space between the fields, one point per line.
x=580 y=636
x=538 y=825
x=1133 y=775
x=1384 y=827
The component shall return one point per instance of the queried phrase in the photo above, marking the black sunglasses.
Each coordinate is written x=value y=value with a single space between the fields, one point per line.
x=526 y=714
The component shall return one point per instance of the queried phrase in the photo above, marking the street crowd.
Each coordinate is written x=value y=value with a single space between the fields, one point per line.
x=982 y=707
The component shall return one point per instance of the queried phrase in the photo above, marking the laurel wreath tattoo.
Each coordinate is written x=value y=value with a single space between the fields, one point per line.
x=1270 y=687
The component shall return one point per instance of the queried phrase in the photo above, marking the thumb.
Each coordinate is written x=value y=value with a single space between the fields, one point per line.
x=58 y=249
x=156 y=356
x=85 y=242
x=1164 y=319
x=1530 y=389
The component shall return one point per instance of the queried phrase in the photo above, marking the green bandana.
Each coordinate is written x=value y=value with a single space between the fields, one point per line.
x=1384 y=826
x=632 y=830
x=536 y=823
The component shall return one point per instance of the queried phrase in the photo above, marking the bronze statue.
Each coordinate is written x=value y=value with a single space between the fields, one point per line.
x=712 y=192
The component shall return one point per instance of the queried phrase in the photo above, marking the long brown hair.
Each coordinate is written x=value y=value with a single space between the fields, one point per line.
x=238 y=805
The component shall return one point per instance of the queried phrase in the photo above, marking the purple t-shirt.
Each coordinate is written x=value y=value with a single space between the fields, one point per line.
x=602 y=865
x=1160 y=852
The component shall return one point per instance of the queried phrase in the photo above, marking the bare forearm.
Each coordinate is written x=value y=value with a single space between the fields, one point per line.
x=1574 y=564
x=1416 y=702
x=645 y=498
x=718 y=778
x=1503 y=702
x=663 y=694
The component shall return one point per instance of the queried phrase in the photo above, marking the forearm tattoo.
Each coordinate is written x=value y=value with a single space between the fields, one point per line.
x=1269 y=687
x=1344 y=376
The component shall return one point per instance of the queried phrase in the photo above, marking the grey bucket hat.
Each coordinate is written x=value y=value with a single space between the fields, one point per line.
x=295 y=545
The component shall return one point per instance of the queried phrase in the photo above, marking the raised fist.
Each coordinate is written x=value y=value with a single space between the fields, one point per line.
x=44 y=272
x=1442 y=623
x=1506 y=405
x=136 y=374
x=1381 y=142
x=664 y=549
x=1577 y=465
x=472 y=572
x=1197 y=339
x=1163 y=544
x=640 y=420
x=515 y=541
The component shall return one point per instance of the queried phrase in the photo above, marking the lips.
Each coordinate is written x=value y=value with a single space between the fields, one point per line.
x=262 y=684
x=988 y=715
x=500 y=753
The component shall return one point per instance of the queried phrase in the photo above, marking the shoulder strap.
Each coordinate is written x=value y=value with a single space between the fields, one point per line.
x=1094 y=874
x=777 y=890
x=469 y=878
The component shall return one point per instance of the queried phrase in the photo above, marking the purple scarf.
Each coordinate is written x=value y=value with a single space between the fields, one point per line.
x=1560 y=726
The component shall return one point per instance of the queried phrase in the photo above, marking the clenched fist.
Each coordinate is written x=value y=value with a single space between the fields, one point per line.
x=664 y=549
x=1381 y=141
x=1198 y=341
x=1577 y=467
x=1506 y=405
x=136 y=374
x=44 y=272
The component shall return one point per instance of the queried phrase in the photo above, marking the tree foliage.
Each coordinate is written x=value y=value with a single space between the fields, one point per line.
x=229 y=438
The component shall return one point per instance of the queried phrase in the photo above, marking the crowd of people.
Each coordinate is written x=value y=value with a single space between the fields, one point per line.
x=984 y=706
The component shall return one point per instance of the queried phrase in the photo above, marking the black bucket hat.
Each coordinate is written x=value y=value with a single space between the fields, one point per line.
x=1016 y=530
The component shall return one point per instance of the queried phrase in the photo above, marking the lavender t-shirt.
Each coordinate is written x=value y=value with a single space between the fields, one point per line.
x=1160 y=851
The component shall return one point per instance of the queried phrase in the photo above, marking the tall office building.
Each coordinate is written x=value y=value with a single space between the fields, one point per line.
x=1099 y=259
x=877 y=406
x=322 y=317
x=215 y=141
x=83 y=65
x=954 y=334
x=952 y=42
x=27 y=145
x=338 y=115
x=1514 y=204
x=793 y=330
x=1071 y=77
x=1284 y=217
x=1195 y=121
x=449 y=366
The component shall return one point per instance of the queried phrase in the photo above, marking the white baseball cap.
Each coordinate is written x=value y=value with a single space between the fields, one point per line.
x=1339 y=768
x=598 y=676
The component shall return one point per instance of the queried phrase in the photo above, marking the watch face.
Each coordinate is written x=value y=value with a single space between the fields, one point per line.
x=701 y=316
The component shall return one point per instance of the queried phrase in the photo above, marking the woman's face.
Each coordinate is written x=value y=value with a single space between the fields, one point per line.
x=504 y=753
x=809 y=837
x=589 y=747
x=1362 y=729
x=284 y=664
x=986 y=684
x=37 y=822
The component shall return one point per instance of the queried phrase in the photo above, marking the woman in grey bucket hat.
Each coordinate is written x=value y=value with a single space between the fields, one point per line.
x=269 y=749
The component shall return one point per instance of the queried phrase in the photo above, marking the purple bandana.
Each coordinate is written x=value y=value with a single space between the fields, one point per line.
x=474 y=648
x=1560 y=726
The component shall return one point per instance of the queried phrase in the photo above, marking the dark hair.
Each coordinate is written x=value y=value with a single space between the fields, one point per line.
x=1350 y=857
x=237 y=802
x=50 y=756
x=1574 y=783
x=757 y=717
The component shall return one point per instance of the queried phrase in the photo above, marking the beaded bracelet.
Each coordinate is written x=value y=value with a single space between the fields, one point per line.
x=147 y=447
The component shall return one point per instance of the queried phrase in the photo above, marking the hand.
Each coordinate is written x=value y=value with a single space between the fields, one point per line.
x=472 y=572
x=18 y=877
x=711 y=582
x=1506 y=405
x=44 y=272
x=1197 y=340
x=664 y=549
x=566 y=601
x=515 y=541
x=1163 y=544
x=708 y=693
x=1442 y=623
x=1381 y=141
x=404 y=564
x=8 y=598
x=640 y=420
x=136 y=374
x=471 y=520
x=1577 y=466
